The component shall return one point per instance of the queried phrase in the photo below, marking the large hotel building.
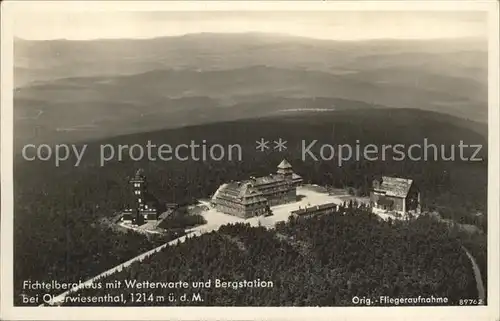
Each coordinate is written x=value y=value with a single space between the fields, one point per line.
x=254 y=196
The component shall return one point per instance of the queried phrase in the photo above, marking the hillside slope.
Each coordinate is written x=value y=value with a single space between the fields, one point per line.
x=96 y=89
x=59 y=208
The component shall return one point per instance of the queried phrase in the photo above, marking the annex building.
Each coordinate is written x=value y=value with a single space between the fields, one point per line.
x=254 y=197
x=315 y=210
x=396 y=196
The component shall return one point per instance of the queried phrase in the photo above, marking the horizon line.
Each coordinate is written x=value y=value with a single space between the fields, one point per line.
x=283 y=35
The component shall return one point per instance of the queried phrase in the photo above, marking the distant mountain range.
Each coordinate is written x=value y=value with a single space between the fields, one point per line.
x=99 y=88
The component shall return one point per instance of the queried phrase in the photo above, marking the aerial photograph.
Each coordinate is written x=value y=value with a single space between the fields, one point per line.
x=250 y=159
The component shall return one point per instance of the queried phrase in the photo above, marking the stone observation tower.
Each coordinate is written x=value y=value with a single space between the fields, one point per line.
x=139 y=187
x=143 y=207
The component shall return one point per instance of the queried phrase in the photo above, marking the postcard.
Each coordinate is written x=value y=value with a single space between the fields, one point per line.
x=250 y=160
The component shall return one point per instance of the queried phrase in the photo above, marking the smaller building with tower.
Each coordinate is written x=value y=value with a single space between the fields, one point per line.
x=143 y=207
x=396 y=196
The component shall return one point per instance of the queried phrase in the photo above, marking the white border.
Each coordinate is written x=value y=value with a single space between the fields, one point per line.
x=8 y=312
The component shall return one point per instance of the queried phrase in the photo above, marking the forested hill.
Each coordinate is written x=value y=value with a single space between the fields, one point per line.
x=322 y=261
x=57 y=209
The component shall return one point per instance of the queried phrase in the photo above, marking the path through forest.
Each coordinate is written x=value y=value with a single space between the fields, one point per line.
x=481 y=292
x=477 y=275
x=60 y=298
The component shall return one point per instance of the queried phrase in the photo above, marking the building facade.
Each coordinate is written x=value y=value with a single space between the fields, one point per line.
x=240 y=199
x=397 y=196
x=254 y=197
x=143 y=207
x=315 y=210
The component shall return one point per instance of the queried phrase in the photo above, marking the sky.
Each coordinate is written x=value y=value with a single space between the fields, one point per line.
x=332 y=25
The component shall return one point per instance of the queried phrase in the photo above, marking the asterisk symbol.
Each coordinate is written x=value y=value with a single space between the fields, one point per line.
x=280 y=145
x=262 y=145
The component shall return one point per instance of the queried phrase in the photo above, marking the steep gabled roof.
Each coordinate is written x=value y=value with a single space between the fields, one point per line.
x=284 y=164
x=394 y=186
x=272 y=178
x=238 y=192
x=246 y=189
x=218 y=191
